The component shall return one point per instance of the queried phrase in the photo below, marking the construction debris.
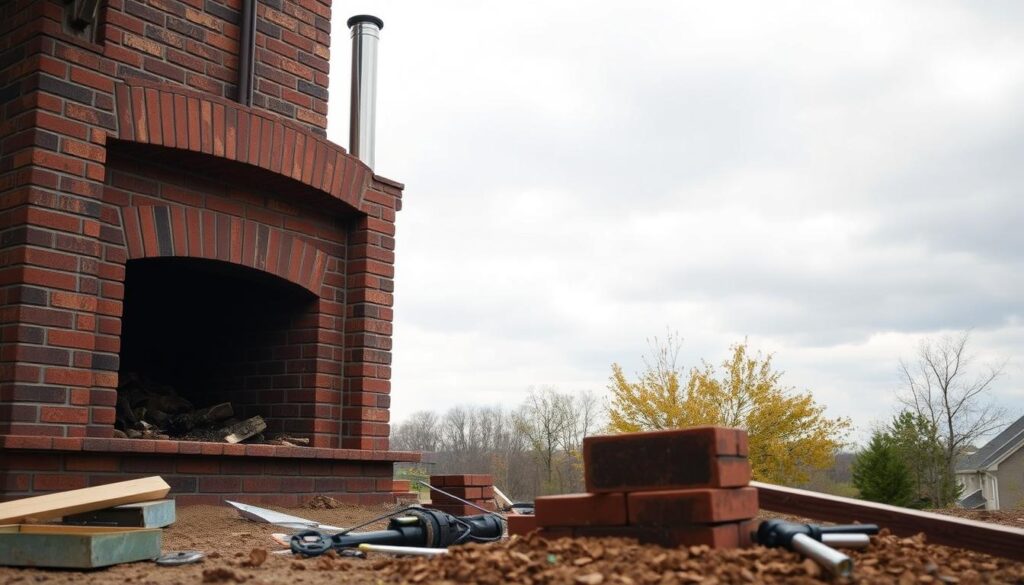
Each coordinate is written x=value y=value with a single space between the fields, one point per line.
x=155 y=514
x=88 y=499
x=674 y=488
x=474 y=488
x=86 y=546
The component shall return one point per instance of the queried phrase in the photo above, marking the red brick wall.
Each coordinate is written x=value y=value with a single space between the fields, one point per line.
x=195 y=43
x=62 y=264
x=197 y=473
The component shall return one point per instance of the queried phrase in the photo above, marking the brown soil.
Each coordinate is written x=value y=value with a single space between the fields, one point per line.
x=237 y=553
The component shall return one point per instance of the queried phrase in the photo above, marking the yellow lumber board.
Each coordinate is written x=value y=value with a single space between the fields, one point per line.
x=84 y=500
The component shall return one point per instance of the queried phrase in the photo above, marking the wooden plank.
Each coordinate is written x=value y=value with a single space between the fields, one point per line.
x=993 y=539
x=84 y=500
x=245 y=429
x=155 y=514
x=76 y=547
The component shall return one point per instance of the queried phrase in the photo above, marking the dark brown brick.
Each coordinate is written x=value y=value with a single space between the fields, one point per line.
x=662 y=460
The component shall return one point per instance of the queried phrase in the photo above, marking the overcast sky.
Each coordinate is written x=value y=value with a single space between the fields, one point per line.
x=833 y=181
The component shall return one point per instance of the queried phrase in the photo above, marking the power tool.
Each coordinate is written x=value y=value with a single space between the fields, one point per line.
x=412 y=527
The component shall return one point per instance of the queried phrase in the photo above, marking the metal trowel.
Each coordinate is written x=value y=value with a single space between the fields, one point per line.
x=257 y=514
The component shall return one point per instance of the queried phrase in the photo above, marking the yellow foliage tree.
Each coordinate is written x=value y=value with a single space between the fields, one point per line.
x=789 y=433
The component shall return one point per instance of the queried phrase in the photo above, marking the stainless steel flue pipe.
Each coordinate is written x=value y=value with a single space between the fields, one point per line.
x=363 y=114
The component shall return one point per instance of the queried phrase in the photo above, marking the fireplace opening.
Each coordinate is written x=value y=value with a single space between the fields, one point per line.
x=198 y=335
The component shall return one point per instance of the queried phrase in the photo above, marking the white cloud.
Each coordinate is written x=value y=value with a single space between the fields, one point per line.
x=833 y=180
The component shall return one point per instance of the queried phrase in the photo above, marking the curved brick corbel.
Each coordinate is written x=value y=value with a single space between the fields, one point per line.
x=175 y=117
x=167 y=230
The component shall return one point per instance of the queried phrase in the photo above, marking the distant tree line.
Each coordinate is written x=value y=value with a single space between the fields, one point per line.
x=532 y=449
x=535 y=448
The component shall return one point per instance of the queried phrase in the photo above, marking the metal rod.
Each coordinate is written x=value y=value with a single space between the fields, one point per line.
x=403 y=550
x=832 y=560
x=851 y=540
x=247 y=52
x=363 y=113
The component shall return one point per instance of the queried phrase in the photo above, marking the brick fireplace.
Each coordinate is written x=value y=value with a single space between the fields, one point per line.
x=153 y=225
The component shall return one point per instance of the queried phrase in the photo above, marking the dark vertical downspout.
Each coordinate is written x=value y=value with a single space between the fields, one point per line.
x=247 y=52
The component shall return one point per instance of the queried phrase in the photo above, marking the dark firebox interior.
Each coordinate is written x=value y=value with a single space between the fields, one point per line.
x=212 y=331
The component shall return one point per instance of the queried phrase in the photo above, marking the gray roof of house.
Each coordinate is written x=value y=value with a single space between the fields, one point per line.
x=995 y=449
x=973 y=501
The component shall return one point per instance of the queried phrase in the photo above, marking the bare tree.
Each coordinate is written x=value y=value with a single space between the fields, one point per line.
x=418 y=433
x=532 y=450
x=541 y=420
x=581 y=413
x=941 y=386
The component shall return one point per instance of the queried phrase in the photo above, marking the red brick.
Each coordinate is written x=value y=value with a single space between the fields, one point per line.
x=168 y=447
x=68 y=443
x=11 y=483
x=581 y=510
x=76 y=339
x=713 y=535
x=30 y=462
x=220 y=484
x=480 y=479
x=466 y=493
x=68 y=377
x=297 y=484
x=58 y=482
x=27 y=442
x=701 y=506
x=521 y=524
x=198 y=500
x=69 y=300
x=552 y=533
x=261 y=484
x=61 y=414
x=199 y=466
x=457 y=509
x=92 y=463
x=663 y=460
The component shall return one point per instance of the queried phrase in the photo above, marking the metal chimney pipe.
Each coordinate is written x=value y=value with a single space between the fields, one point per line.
x=363 y=114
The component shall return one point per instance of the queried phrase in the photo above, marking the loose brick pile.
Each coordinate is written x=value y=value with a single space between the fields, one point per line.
x=402 y=488
x=477 y=488
x=674 y=488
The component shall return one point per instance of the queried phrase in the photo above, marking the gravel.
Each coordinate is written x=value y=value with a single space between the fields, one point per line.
x=238 y=553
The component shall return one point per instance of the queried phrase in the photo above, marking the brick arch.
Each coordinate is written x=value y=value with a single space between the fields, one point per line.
x=154 y=231
x=175 y=117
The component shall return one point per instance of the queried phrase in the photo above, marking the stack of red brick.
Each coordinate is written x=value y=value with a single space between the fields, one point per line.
x=477 y=488
x=673 y=488
x=402 y=488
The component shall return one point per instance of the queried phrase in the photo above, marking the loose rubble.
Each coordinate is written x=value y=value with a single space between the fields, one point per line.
x=229 y=542
x=532 y=559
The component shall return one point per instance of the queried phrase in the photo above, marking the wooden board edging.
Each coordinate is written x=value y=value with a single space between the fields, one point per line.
x=993 y=539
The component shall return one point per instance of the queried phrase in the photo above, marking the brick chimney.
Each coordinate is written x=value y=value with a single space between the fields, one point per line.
x=152 y=224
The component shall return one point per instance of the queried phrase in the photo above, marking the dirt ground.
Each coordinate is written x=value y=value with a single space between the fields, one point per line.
x=237 y=553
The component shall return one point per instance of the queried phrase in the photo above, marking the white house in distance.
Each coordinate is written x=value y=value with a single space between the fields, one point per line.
x=993 y=476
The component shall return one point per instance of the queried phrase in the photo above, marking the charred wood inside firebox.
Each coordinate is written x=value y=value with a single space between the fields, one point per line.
x=208 y=352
